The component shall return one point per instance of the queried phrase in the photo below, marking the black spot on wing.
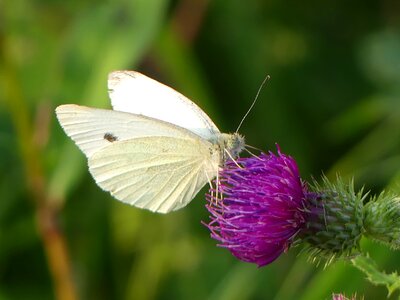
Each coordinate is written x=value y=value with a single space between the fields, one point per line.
x=110 y=137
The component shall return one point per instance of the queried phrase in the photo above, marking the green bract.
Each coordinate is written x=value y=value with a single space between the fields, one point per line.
x=334 y=220
x=382 y=220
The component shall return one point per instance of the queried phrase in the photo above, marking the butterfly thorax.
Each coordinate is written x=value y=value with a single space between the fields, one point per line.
x=232 y=143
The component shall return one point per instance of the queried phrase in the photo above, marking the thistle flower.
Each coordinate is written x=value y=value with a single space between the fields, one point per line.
x=262 y=207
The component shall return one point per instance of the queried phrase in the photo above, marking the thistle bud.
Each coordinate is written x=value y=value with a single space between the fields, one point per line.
x=382 y=220
x=334 y=214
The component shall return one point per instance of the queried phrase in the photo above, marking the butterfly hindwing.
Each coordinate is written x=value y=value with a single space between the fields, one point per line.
x=161 y=174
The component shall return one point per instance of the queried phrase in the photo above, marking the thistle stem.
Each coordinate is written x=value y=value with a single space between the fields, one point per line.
x=51 y=235
x=368 y=266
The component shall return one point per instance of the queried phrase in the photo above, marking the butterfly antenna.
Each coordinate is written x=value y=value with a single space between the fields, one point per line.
x=252 y=154
x=254 y=101
x=252 y=147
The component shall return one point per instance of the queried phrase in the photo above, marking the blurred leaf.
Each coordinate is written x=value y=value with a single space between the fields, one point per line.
x=357 y=119
x=380 y=57
x=295 y=280
x=238 y=284
x=379 y=145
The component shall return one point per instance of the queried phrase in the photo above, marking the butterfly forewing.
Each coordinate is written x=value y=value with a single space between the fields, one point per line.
x=136 y=93
x=93 y=128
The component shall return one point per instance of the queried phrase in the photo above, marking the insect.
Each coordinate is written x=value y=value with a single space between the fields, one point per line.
x=155 y=150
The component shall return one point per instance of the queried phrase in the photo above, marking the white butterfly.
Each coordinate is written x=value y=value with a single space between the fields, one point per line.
x=155 y=150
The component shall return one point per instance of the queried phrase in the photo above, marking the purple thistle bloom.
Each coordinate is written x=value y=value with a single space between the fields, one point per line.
x=343 y=297
x=262 y=207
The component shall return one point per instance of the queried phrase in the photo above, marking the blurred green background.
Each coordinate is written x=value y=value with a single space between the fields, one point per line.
x=332 y=103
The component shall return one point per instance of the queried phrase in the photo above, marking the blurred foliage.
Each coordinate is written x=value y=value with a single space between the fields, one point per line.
x=332 y=103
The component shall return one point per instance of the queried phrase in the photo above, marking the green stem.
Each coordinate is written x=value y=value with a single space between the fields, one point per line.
x=368 y=266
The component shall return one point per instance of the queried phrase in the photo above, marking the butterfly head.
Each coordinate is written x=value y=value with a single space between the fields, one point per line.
x=232 y=143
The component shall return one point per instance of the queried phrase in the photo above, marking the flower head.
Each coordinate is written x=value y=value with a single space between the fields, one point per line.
x=262 y=207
